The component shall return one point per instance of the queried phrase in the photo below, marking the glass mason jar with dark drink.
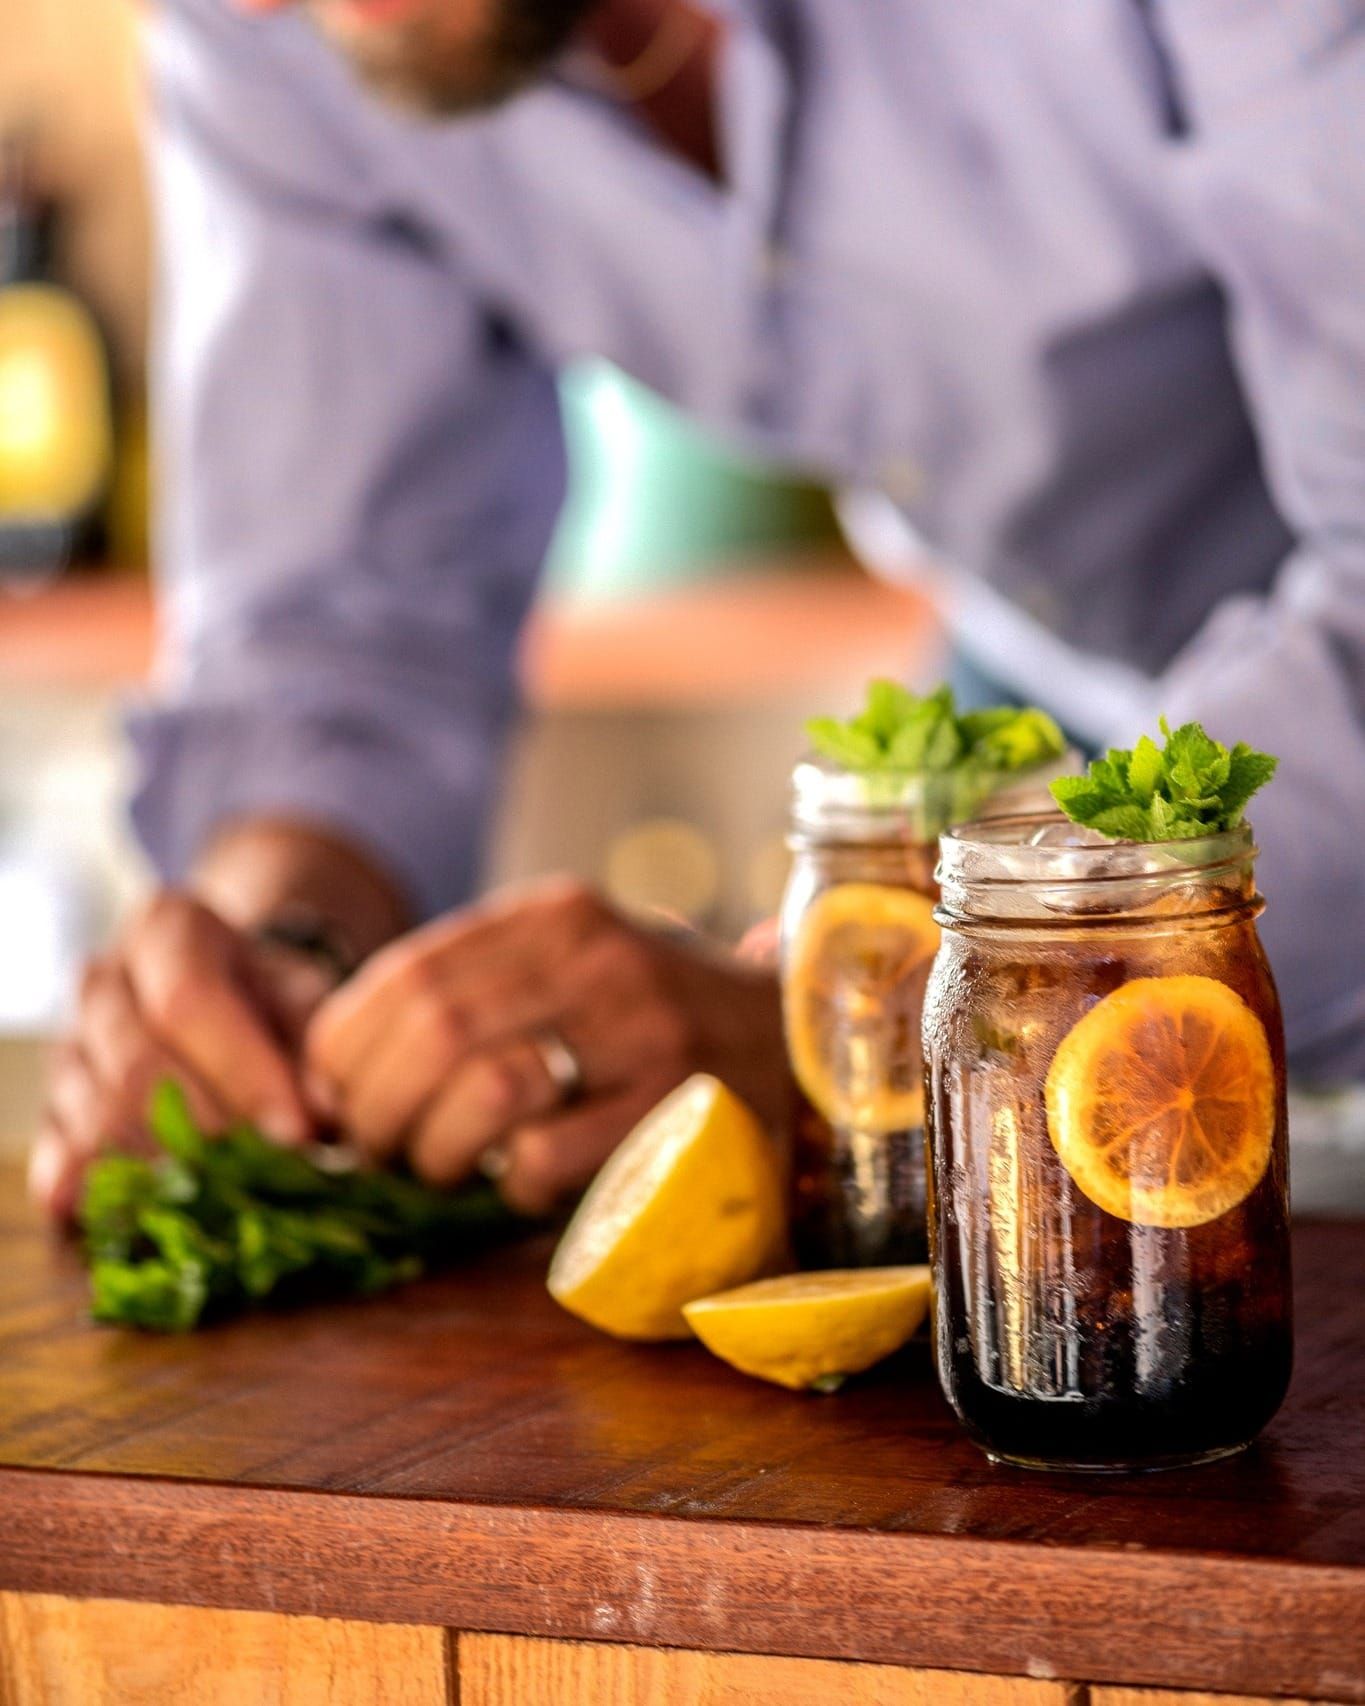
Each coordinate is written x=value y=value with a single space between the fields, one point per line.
x=858 y=938
x=1109 y=1198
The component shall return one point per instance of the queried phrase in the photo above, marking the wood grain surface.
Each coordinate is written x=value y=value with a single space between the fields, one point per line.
x=1164 y=1697
x=64 y=1652
x=500 y=1670
x=465 y=1454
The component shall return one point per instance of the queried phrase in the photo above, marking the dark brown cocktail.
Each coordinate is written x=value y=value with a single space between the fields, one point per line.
x=1108 y=1192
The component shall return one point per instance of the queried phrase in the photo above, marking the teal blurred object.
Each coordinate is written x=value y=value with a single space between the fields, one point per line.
x=654 y=502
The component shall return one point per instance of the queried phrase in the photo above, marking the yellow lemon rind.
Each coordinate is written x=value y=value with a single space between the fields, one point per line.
x=693 y=1200
x=800 y=1330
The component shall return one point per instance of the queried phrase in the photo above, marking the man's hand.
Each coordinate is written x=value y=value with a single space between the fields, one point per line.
x=435 y=1050
x=182 y=995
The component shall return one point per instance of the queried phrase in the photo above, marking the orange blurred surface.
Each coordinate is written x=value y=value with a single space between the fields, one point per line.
x=751 y=635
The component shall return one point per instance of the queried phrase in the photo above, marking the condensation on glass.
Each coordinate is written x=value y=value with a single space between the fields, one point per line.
x=1069 y=1335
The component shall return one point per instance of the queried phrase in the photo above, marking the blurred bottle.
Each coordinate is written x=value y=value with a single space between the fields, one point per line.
x=56 y=425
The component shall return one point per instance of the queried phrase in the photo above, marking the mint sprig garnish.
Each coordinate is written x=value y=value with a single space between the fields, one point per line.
x=899 y=731
x=1192 y=786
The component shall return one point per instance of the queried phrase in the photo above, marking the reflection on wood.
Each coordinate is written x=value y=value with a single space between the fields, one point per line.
x=66 y=1652
x=500 y=1670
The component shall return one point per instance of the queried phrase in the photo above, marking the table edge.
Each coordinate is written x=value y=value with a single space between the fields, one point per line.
x=1103 y=1615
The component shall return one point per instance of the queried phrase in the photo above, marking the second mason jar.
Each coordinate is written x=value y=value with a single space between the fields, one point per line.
x=858 y=937
x=1106 y=1122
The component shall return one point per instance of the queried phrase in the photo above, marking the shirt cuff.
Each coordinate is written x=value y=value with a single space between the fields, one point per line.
x=197 y=768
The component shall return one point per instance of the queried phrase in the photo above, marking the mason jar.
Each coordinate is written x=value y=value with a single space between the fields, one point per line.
x=1109 y=1211
x=858 y=936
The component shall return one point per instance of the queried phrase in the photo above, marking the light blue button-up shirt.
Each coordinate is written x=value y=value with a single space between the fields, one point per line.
x=1081 y=284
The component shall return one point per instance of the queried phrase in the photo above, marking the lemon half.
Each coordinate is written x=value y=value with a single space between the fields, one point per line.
x=694 y=1200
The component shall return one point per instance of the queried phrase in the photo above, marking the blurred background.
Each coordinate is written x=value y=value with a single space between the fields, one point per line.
x=693 y=612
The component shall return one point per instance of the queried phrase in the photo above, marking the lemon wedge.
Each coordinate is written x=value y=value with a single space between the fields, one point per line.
x=692 y=1201
x=810 y=1330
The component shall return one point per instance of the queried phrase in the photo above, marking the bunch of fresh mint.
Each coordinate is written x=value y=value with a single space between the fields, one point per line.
x=1192 y=786
x=217 y=1225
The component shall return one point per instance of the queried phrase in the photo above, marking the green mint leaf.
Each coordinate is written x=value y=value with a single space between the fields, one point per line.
x=1145 y=768
x=888 y=706
x=1126 y=823
x=153 y=1294
x=1189 y=786
x=985 y=720
x=1247 y=771
x=1196 y=766
x=1019 y=741
x=852 y=747
x=897 y=731
x=173 y=1125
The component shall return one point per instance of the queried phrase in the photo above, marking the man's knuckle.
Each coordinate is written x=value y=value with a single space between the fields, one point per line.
x=490 y=1087
x=96 y=980
x=621 y=961
x=440 y=1023
x=670 y=1032
x=578 y=905
x=534 y=1158
x=175 y=1001
x=417 y=979
x=167 y=917
x=431 y=1156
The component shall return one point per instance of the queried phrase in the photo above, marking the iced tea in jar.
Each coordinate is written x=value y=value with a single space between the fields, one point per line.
x=1109 y=1196
x=858 y=937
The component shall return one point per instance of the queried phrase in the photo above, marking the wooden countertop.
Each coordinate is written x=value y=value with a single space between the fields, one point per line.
x=463 y=1454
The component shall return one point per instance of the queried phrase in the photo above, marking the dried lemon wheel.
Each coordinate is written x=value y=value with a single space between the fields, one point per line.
x=853 y=991
x=1161 y=1101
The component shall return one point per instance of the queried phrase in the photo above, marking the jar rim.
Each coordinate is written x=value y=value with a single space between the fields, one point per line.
x=995 y=850
x=830 y=800
x=992 y=869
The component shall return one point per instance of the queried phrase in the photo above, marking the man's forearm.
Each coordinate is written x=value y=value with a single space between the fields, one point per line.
x=257 y=870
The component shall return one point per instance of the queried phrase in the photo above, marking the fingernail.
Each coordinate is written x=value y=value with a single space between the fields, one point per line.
x=494 y=1162
x=320 y=1095
x=44 y=1170
x=284 y=1128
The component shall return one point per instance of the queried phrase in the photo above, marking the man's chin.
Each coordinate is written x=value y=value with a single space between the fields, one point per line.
x=404 y=76
x=421 y=65
x=415 y=91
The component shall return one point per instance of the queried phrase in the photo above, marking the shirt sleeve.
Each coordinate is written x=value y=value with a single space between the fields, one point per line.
x=360 y=469
x=1272 y=171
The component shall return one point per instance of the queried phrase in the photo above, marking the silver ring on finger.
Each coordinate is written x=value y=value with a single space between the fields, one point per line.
x=562 y=1065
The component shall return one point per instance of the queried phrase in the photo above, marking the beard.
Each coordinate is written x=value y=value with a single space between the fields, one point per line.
x=439 y=61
